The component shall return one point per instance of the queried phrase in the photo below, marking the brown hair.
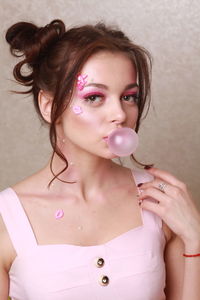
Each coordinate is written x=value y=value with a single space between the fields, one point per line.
x=54 y=58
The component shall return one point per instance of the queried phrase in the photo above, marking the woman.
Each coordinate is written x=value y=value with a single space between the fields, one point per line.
x=84 y=227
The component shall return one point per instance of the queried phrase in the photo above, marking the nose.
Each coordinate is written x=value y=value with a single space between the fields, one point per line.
x=116 y=112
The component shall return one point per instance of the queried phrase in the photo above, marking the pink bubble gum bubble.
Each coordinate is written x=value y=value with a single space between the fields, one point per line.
x=123 y=141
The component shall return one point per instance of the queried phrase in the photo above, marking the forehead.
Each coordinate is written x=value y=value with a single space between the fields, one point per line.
x=109 y=66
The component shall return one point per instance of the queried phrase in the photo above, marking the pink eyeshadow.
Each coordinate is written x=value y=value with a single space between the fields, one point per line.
x=87 y=94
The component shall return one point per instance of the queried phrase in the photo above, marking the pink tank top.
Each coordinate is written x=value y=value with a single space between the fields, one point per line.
x=128 y=267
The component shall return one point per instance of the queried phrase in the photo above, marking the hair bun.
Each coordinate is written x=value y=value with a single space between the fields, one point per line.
x=32 y=42
x=20 y=37
x=29 y=40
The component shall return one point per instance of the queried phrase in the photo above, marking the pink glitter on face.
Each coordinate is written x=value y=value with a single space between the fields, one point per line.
x=77 y=109
x=81 y=82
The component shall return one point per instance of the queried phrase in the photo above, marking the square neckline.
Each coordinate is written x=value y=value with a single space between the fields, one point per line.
x=118 y=237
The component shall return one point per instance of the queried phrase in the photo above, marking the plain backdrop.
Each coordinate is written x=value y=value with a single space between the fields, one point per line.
x=169 y=136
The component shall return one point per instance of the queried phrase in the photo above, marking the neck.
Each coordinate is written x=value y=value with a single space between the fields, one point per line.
x=91 y=174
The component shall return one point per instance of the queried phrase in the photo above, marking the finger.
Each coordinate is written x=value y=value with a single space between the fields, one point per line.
x=156 y=194
x=170 y=190
x=167 y=177
x=153 y=207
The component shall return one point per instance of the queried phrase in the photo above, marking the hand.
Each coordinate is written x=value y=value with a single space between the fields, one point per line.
x=174 y=205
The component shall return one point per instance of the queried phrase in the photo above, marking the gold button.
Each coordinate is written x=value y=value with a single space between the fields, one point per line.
x=104 y=280
x=100 y=262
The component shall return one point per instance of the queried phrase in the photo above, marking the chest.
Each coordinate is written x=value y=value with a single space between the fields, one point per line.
x=83 y=223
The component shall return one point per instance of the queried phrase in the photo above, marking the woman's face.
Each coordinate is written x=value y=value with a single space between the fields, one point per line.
x=105 y=100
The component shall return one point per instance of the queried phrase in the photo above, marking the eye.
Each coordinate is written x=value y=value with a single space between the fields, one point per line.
x=94 y=98
x=132 y=98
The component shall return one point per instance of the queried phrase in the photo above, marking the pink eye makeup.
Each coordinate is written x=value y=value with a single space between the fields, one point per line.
x=95 y=96
x=92 y=97
x=131 y=97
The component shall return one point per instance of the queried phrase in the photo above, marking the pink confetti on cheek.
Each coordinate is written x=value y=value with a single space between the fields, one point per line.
x=59 y=214
x=77 y=110
x=81 y=81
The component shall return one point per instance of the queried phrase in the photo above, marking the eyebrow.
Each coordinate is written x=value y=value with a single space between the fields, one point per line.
x=100 y=85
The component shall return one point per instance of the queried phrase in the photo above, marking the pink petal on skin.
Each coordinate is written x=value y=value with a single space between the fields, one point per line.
x=81 y=81
x=77 y=110
x=59 y=214
x=80 y=85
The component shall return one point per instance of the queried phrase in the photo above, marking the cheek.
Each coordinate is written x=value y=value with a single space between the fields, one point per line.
x=81 y=122
x=88 y=120
x=132 y=116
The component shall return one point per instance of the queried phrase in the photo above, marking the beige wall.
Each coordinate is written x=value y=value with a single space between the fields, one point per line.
x=170 y=136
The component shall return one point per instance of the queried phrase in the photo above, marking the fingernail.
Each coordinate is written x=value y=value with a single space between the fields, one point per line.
x=148 y=167
x=140 y=184
x=140 y=192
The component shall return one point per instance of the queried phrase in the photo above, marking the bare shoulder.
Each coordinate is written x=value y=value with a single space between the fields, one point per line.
x=32 y=183
x=26 y=184
x=5 y=261
x=7 y=251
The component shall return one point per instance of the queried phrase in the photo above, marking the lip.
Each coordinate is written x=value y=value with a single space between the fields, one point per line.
x=106 y=137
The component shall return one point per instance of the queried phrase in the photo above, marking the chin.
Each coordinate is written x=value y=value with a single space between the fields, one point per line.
x=110 y=155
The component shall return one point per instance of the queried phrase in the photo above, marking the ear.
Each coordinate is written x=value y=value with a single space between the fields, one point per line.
x=45 y=103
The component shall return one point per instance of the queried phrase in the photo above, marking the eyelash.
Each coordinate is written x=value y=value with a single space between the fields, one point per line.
x=91 y=98
x=88 y=98
x=135 y=97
